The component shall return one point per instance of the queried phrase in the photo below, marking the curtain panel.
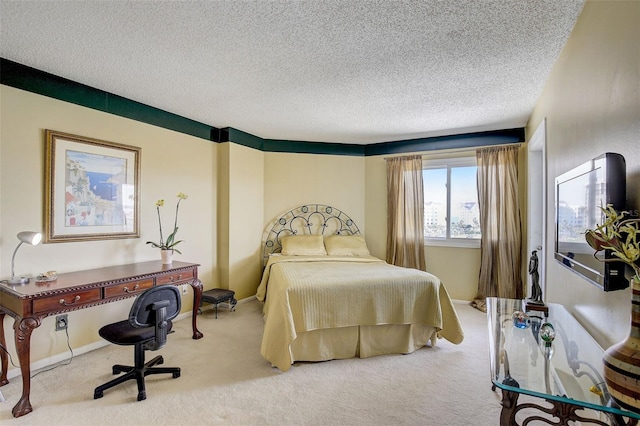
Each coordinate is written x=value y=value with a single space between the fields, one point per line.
x=405 y=212
x=501 y=243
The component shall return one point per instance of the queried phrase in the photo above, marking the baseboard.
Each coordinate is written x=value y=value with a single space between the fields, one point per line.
x=50 y=361
x=247 y=299
x=65 y=356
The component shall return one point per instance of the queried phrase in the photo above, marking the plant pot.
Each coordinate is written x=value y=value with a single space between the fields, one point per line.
x=167 y=256
x=622 y=361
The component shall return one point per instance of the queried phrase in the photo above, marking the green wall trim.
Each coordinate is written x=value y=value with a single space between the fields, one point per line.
x=328 y=148
x=299 y=147
x=245 y=139
x=466 y=140
x=32 y=80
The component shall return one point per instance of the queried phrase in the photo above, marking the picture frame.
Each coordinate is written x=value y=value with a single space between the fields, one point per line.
x=92 y=189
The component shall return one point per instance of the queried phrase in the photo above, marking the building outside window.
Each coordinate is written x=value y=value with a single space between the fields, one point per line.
x=451 y=213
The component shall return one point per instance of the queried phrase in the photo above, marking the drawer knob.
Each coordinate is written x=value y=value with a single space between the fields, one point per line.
x=135 y=287
x=64 y=302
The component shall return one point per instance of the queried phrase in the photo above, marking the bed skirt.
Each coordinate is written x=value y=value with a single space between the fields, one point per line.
x=361 y=341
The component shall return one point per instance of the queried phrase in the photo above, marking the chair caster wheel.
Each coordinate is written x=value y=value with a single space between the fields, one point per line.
x=142 y=396
x=97 y=395
x=176 y=375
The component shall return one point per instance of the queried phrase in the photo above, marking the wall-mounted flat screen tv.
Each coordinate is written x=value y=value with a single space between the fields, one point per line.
x=580 y=193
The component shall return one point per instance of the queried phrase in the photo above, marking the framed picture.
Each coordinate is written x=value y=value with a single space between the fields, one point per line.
x=92 y=189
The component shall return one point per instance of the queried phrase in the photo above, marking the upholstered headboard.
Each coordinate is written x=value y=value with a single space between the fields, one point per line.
x=309 y=219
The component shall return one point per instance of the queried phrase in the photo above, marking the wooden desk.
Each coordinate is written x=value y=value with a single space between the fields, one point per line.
x=28 y=304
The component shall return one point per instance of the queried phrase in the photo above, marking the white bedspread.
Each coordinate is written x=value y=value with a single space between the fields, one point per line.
x=304 y=293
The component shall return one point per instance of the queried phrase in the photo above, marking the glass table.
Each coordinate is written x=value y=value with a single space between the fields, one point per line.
x=565 y=371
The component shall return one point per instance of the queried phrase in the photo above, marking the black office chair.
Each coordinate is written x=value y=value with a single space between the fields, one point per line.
x=147 y=327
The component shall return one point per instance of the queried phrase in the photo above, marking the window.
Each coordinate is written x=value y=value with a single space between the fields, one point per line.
x=451 y=213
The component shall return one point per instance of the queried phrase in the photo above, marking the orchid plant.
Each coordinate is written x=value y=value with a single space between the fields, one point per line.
x=619 y=233
x=170 y=243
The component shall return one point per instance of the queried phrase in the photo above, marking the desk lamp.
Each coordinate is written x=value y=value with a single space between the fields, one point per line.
x=28 y=237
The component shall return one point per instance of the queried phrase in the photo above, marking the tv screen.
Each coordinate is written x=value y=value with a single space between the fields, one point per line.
x=580 y=194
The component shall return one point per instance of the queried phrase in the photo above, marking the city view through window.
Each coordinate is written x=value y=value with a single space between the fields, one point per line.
x=463 y=219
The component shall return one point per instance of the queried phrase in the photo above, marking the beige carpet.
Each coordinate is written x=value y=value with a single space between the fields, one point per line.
x=225 y=381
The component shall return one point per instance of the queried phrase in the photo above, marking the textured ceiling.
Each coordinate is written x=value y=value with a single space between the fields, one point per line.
x=351 y=71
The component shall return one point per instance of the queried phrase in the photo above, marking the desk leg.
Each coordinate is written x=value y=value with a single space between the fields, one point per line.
x=197 y=297
x=22 y=328
x=4 y=358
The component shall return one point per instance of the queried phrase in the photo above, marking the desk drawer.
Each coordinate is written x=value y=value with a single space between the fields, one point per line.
x=176 y=277
x=68 y=300
x=128 y=289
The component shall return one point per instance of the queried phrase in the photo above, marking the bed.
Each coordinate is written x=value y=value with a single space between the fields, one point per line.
x=325 y=297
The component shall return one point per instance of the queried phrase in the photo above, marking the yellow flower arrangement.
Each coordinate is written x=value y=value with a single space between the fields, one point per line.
x=618 y=233
x=170 y=242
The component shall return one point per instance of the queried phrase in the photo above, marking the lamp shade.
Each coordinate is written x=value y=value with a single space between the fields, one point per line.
x=30 y=237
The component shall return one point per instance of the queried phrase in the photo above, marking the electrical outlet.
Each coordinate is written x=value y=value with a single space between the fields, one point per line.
x=62 y=322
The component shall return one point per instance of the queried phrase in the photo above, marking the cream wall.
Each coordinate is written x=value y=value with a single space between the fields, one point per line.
x=244 y=212
x=458 y=268
x=222 y=203
x=376 y=205
x=592 y=105
x=291 y=180
x=171 y=162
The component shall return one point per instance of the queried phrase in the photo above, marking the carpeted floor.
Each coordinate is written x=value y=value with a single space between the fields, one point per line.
x=225 y=381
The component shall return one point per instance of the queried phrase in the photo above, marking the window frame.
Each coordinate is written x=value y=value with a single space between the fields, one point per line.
x=449 y=163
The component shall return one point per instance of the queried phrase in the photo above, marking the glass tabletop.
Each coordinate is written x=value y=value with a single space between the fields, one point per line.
x=566 y=368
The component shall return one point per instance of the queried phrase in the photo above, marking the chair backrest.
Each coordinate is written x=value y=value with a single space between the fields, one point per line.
x=155 y=308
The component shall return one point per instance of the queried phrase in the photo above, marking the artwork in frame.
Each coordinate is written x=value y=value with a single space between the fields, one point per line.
x=92 y=189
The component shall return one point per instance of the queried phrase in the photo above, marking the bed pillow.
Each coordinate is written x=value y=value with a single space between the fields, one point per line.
x=346 y=245
x=302 y=245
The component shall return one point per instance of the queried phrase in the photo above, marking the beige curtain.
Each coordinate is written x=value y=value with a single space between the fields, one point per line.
x=500 y=247
x=405 y=212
